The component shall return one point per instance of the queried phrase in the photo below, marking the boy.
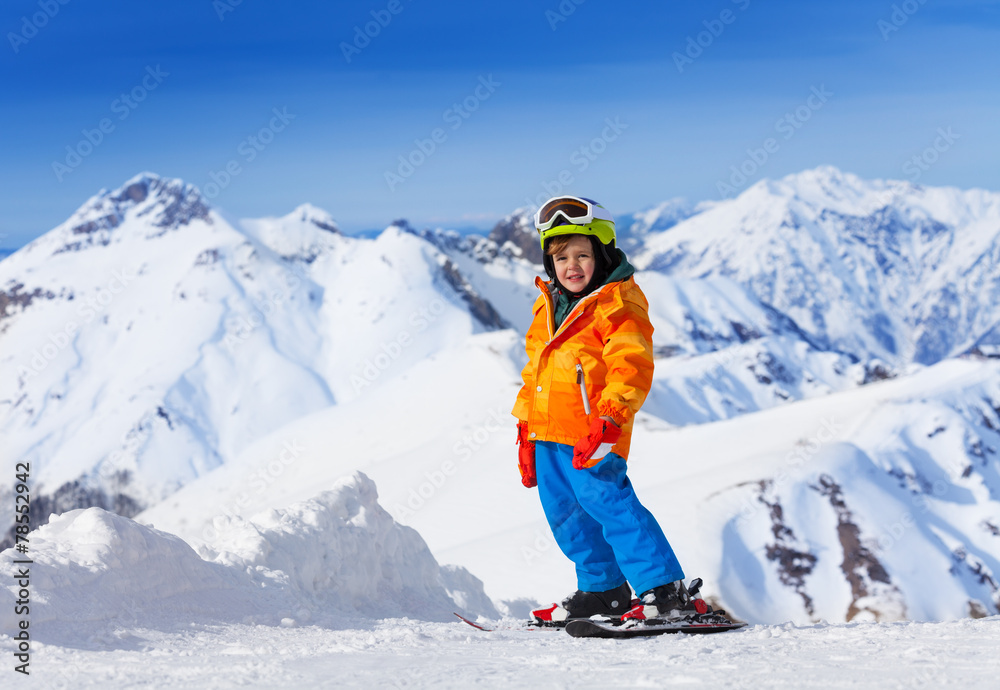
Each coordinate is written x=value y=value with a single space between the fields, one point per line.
x=590 y=367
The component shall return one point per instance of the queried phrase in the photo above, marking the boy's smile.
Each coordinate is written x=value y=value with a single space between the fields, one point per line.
x=574 y=264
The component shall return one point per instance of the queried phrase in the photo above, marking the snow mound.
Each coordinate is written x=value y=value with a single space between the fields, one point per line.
x=91 y=565
x=342 y=551
x=330 y=560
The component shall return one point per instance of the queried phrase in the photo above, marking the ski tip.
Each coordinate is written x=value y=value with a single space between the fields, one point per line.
x=466 y=620
x=585 y=628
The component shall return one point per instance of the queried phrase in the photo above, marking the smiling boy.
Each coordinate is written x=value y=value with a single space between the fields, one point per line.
x=590 y=367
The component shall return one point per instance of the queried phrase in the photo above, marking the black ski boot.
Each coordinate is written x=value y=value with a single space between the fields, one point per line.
x=672 y=601
x=611 y=603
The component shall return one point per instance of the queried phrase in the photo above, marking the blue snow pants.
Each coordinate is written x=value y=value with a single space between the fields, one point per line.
x=600 y=525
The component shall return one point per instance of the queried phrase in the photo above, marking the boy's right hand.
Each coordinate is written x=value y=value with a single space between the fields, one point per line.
x=526 y=456
x=598 y=442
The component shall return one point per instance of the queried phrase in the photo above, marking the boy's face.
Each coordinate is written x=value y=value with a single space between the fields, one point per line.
x=574 y=264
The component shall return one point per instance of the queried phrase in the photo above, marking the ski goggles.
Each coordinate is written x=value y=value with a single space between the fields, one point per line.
x=572 y=209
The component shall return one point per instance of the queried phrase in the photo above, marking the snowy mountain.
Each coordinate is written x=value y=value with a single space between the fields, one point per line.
x=634 y=229
x=517 y=232
x=882 y=269
x=811 y=434
x=149 y=340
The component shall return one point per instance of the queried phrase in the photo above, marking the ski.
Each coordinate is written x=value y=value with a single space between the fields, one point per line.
x=525 y=625
x=647 y=628
x=474 y=625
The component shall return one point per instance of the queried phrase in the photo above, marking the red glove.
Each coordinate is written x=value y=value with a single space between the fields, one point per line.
x=526 y=456
x=596 y=444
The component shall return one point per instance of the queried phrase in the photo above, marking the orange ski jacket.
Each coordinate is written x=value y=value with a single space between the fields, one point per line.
x=598 y=362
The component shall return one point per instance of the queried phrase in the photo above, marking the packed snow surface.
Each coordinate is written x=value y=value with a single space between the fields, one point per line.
x=311 y=597
x=403 y=653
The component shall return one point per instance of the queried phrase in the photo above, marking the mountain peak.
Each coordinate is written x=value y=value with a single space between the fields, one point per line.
x=828 y=187
x=179 y=202
x=143 y=181
x=402 y=225
x=307 y=213
x=159 y=204
x=518 y=229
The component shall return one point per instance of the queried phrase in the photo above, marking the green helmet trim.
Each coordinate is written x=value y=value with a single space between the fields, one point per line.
x=603 y=230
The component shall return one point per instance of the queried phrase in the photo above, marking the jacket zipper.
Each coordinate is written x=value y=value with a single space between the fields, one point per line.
x=577 y=310
x=581 y=381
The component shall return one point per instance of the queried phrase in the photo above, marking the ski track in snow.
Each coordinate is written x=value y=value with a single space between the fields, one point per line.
x=403 y=653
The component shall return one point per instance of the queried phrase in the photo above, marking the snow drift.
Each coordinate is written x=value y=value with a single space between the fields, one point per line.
x=340 y=551
x=331 y=560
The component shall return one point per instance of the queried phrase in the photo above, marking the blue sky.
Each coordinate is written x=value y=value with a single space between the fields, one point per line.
x=627 y=102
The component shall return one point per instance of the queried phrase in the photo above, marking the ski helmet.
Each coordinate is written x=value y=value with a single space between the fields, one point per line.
x=574 y=215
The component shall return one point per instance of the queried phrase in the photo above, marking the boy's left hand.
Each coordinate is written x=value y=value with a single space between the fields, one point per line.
x=603 y=435
x=526 y=456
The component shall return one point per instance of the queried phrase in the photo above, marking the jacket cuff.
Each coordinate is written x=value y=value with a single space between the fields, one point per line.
x=609 y=409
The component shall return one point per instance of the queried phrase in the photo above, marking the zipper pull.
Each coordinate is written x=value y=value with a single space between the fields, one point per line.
x=583 y=387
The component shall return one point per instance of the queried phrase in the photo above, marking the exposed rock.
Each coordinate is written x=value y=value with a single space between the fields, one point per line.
x=860 y=566
x=14 y=299
x=518 y=229
x=79 y=493
x=794 y=560
x=480 y=307
x=876 y=370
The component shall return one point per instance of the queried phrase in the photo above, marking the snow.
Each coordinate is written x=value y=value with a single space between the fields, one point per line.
x=699 y=481
x=333 y=559
x=253 y=383
x=403 y=653
x=312 y=596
